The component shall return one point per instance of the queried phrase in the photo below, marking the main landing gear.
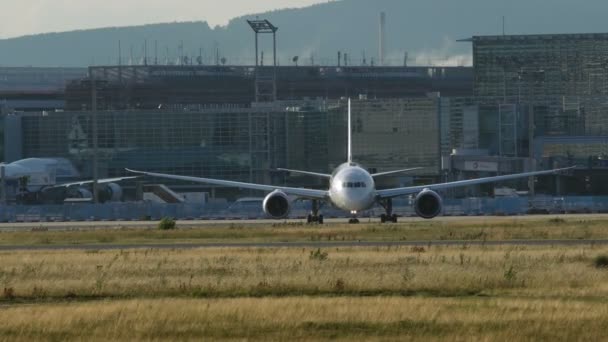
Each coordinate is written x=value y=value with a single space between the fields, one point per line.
x=389 y=216
x=314 y=216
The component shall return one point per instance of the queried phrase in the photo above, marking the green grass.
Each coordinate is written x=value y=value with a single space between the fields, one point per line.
x=462 y=230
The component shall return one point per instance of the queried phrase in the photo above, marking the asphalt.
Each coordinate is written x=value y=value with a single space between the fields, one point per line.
x=342 y=244
x=84 y=225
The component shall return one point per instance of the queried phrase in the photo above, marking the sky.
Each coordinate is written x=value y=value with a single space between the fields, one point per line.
x=25 y=17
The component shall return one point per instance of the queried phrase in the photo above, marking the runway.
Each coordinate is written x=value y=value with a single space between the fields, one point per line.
x=343 y=244
x=85 y=225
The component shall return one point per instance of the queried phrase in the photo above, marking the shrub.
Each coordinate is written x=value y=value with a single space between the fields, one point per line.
x=601 y=261
x=9 y=293
x=510 y=275
x=418 y=249
x=318 y=255
x=340 y=285
x=166 y=224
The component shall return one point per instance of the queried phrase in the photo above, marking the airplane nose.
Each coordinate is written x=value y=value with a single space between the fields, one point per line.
x=356 y=200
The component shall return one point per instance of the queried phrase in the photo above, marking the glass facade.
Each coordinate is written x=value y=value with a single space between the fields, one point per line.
x=241 y=144
x=2 y=139
x=399 y=133
x=562 y=76
x=540 y=65
x=237 y=145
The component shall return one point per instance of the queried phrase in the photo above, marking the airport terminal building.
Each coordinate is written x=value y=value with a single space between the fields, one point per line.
x=529 y=102
x=244 y=144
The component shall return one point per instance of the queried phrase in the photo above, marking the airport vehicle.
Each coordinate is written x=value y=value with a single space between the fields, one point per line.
x=351 y=188
x=51 y=180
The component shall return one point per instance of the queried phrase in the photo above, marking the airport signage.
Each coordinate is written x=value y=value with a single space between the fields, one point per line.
x=481 y=166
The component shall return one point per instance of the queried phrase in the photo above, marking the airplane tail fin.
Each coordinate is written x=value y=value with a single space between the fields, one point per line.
x=350 y=132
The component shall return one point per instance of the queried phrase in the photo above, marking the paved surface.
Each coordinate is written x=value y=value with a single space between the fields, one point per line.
x=344 y=244
x=203 y=223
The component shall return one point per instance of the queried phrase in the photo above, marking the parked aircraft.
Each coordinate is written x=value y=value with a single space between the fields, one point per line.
x=40 y=180
x=351 y=188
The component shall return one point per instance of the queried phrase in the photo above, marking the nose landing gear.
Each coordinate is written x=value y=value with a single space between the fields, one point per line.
x=353 y=219
x=387 y=204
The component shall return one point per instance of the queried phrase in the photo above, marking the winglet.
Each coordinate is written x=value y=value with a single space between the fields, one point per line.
x=135 y=171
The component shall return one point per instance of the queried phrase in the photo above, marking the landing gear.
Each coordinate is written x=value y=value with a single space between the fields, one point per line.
x=353 y=219
x=389 y=216
x=386 y=218
x=314 y=219
x=314 y=216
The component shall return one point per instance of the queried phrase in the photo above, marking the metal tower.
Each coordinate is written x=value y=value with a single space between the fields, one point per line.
x=265 y=77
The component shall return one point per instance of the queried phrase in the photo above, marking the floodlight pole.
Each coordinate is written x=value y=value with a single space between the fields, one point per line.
x=262 y=82
x=257 y=53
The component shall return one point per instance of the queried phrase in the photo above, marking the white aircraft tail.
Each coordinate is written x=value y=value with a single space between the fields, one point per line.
x=350 y=134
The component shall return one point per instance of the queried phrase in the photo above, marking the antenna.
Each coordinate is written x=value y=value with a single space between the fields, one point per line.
x=350 y=138
x=156 y=52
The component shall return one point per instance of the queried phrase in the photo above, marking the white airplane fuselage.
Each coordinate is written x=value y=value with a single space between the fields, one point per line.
x=352 y=188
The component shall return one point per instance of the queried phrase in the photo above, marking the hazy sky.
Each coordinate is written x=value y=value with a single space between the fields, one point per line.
x=24 y=17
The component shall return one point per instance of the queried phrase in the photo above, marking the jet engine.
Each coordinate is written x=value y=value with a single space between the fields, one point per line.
x=110 y=192
x=79 y=193
x=277 y=205
x=428 y=204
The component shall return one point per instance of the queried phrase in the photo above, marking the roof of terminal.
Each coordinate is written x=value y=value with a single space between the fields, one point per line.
x=537 y=37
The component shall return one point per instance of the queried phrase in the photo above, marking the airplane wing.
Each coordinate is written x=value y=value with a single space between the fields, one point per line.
x=305 y=193
x=307 y=173
x=415 y=189
x=381 y=174
x=88 y=182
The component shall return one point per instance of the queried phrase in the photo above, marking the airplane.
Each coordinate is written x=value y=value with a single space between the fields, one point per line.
x=38 y=180
x=351 y=188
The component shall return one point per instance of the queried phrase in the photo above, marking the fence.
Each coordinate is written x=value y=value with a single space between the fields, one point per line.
x=189 y=211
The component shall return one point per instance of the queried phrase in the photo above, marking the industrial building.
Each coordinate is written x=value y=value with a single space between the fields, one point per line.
x=529 y=102
x=151 y=87
x=532 y=66
x=559 y=78
x=540 y=101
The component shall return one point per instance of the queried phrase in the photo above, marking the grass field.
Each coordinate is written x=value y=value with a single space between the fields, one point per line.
x=427 y=292
x=298 y=318
x=490 y=229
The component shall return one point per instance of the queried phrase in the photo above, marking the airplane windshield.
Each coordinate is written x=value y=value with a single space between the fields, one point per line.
x=354 y=185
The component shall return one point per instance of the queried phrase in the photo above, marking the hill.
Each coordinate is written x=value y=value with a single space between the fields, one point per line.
x=426 y=29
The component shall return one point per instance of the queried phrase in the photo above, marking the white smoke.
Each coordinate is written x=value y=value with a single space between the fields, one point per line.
x=444 y=56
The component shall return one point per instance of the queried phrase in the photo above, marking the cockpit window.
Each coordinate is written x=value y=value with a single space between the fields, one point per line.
x=355 y=185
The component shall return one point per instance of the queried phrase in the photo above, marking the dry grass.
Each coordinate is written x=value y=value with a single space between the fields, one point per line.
x=422 y=293
x=305 y=318
x=467 y=230
x=432 y=271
